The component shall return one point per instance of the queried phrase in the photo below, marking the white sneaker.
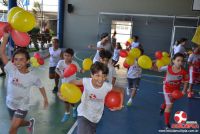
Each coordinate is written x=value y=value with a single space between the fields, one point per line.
x=32 y=125
x=129 y=103
x=127 y=91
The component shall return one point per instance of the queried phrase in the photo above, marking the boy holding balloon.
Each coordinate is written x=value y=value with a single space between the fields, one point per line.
x=175 y=76
x=91 y=108
x=67 y=69
x=20 y=81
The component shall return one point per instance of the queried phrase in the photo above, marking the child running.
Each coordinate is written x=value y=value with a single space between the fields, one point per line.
x=55 y=56
x=133 y=76
x=175 y=76
x=62 y=65
x=20 y=81
x=115 y=57
x=91 y=108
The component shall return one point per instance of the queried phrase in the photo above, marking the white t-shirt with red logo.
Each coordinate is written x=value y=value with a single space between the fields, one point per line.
x=54 y=56
x=62 y=66
x=18 y=87
x=172 y=80
x=92 y=100
x=194 y=71
x=135 y=71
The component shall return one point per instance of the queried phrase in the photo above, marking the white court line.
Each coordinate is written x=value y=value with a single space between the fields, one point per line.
x=72 y=128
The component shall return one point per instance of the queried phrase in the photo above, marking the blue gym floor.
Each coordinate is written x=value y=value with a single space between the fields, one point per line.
x=141 y=118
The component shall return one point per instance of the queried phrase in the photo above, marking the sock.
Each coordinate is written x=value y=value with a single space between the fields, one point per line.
x=163 y=106
x=67 y=112
x=130 y=99
x=167 y=117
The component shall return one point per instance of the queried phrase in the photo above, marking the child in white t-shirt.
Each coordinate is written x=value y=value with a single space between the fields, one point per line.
x=179 y=48
x=105 y=57
x=133 y=76
x=55 y=55
x=62 y=65
x=103 y=44
x=194 y=70
x=115 y=57
x=91 y=108
x=20 y=81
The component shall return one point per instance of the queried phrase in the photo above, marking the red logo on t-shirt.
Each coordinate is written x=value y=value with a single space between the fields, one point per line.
x=93 y=96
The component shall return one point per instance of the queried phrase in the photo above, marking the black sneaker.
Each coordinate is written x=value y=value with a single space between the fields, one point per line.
x=168 y=126
x=2 y=74
x=32 y=125
x=55 y=90
x=162 y=111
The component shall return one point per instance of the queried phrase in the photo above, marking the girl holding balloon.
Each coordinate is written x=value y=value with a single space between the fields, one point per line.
x=20 y=81
x=175 y=76
x=67 y=69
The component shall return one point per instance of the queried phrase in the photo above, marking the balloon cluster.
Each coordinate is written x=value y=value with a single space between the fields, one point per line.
x=144 y=61
x=19 y=22
x=37 y=60
x=162 y=59
x=129 y=42
x=87 y=63
x=70 y=93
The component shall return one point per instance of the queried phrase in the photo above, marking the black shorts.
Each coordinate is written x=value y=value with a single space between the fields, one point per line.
x=17 y=113
x=133 y=83
x=114 y=62
x=52 y=70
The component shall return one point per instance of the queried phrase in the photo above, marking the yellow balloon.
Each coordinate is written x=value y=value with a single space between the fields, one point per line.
x=23 y=21
x=70 y=92
x=166 y=60
x=35 y=64
x=145 y=62
x=87 y=63
x=130 y=60
x=159 y=63
x=165 y=54
x=135 y=52
x=12 y=12
x=33 y=59
x=130 y=40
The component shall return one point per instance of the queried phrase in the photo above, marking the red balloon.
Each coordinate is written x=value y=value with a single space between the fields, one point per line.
x=40 y=61
x=177 y=94
x=126 y=65
x=20 y=39
x=113 y=99
x=81 y=87
x=70 y=70
x=127 y=43
x=158 y=54
x=123 y=53
x=37 y=55
x=4 y=27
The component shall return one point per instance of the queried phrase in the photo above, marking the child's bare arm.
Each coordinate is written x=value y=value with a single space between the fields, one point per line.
x=3 y=48
x=185 y=87
x=113 y=81
x=43 y=92
x=77 y=82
